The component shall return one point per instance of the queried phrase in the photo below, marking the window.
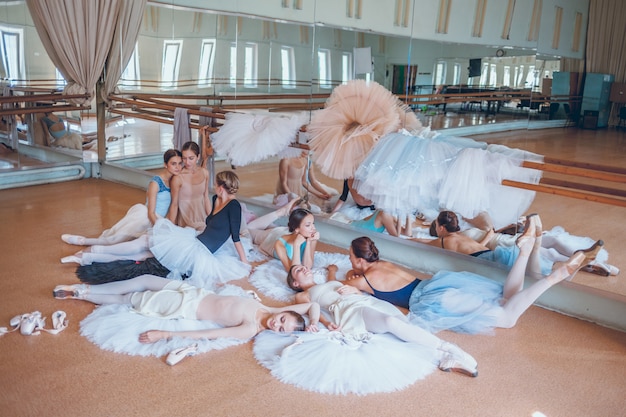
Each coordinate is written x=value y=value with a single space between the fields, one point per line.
x=346 y=67
x=456 y=79
x=440 y=73
x=506 y=77
x=493 y=75
x=323 y=57
x=12 y=49
x=519 y=82
x=130 y=78
x=484 y=74
x=288 y=68
x=60 y=80
x=250 y=65
x=205 y=70
x=233 y=65
x=531 y=77
x=171 y=63
x=515 y=75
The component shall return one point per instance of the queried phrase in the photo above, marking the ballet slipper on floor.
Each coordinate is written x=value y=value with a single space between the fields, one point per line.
x=178 y=355
x=73 y=239
x=454 y=363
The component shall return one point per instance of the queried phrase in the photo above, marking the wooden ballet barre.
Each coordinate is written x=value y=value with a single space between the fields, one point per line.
x=40 y=97
x=566 y=193
x=584 y=165
x=159 y=119
x=585 y=187
x=41 y=109
x=164 y=106
x=580 y=172
x=192 y=108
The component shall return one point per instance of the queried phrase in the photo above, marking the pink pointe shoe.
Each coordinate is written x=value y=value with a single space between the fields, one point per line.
x=178 y=355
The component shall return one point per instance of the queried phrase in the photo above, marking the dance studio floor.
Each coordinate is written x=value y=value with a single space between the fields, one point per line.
x=548 y=365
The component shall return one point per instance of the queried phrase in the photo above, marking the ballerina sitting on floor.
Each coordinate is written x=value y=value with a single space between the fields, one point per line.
x=292 y=245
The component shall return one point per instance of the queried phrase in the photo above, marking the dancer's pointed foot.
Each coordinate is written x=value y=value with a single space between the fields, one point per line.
x=527 y=239
x=567 y=269
x=538 y=225
x=76 y=258
x=286 y=209
x=77 y=291
x=453 y=363
x=73 y=239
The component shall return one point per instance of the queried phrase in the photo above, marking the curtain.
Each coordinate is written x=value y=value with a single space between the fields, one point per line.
x=606 y=42
x=73 y=33
x=606 y=38
x=123 y=45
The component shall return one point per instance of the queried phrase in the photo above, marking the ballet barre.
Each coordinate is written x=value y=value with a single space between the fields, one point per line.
x=583 y=191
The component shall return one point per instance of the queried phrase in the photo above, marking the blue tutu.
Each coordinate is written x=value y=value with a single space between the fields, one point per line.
x=459 y=301
x=506 y=255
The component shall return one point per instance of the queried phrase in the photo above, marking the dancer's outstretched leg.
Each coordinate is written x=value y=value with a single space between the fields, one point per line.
x=515 y=279
x=534 y=262
x=266 y=220
x=117 y=292
x=519 y=303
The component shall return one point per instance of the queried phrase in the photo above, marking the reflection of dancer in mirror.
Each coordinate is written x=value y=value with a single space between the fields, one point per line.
x=460 y=301
x=153 y=296
x=296 y=178
x=355 y=314
x=127 y=239
x=292 y=245
x=190 y=191
x=360 y=201
x=447 y=229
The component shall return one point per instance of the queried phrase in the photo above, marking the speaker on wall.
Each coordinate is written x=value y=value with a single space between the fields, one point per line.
x=474 y=67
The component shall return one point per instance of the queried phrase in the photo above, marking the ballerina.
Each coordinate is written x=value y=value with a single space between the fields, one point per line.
x=355 y=315
x=460 y=301
x=292 y=245
x=152 y=296
x=190 y=191
x=132 y=227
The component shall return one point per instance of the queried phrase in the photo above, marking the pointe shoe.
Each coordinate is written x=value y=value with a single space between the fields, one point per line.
x=457 y=352
x=70 y=259
x=578 y=260
x=178 y=355
x=538 y=224
x=73 y=239
x=600 y=268
x=452 y=363
x=78 y=291
x=529 y=233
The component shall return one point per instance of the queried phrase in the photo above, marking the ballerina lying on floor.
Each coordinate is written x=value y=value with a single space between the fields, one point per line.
x=181 y=311
x=354 y=355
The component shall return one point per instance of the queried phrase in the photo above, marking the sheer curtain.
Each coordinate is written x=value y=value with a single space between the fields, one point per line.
x=123 y=45
x=77 y=36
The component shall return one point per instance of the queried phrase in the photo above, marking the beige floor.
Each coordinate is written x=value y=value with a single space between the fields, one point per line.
x=548 y=365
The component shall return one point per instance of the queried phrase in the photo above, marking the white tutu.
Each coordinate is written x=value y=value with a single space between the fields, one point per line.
x=179 y=251
x=248 y=138
x=134 y=224
x=403 y=173
x=326 y=362
x=270 y=278
x=117 y=327
x=473 y=185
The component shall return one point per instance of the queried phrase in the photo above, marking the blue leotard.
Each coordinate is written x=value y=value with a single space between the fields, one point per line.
x=163 y=197
x=369 y=224
x=289 y=249
x=399 y=297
